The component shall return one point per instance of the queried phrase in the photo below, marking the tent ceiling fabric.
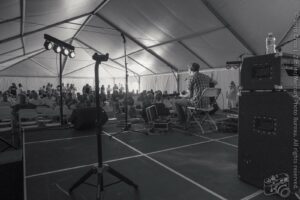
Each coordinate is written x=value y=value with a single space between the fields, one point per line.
x=9 y=9
x=47 y=12
x=182 y=32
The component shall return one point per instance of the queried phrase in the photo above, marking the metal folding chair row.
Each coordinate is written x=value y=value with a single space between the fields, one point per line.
x=6 y=125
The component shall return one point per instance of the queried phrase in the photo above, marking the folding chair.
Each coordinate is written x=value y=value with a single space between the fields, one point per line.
x=46 y=116
x=154 y=120
x=195 y=112
x=6 y=125
x=28 y=119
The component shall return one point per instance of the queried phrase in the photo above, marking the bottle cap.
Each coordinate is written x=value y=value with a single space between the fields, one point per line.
x=270 y=34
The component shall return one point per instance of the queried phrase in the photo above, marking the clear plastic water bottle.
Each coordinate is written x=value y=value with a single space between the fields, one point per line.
x=270 y=44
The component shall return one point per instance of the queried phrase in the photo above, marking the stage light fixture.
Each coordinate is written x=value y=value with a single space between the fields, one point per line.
x=48 y=45
x=66 y=52
x=57 y=48
x=72 y=54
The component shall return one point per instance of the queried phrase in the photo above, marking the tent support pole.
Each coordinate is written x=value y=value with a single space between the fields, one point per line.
x=60 y=89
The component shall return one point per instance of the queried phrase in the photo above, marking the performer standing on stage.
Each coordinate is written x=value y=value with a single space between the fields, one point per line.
x=197 y=83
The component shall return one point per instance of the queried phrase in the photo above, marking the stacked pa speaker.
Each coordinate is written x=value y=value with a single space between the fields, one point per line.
x=268 y=124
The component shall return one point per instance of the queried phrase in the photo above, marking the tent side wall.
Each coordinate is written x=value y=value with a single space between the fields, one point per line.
x=167 y=82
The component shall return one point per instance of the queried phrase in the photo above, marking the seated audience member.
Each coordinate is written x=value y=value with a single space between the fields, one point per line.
x=35 y=100
x=232 y=95
x=158 y=97
x=197 y=83
x=108 y=91
x=49 y=101
x=5 y=101
x=115 y=88
x=20 y=89
x=21 y=104
x=13 y=90
x=102 y=95
x=87 y=89
x=147 y=101
x=115 y=101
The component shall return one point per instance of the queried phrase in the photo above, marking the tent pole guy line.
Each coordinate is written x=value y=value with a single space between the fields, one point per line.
x=22 y=6
x=137 y=42
x=190 y=36
x=85 y=44
x=227 y=25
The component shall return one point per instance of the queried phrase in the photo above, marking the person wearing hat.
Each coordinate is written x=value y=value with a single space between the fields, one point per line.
x=197 y=83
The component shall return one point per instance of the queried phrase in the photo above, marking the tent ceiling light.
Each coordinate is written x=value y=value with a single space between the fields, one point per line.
x=66 y=52
x=72 y=54
x=48 y=45
x=57 y=48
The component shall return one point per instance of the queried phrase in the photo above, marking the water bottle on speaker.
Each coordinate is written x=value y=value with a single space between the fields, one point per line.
x=270 y=44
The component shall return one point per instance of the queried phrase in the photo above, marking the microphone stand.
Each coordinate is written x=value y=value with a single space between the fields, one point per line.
x=127 y=125
x=101 y=168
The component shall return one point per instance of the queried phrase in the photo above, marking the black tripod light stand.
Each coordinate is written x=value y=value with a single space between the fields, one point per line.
x=101 y=168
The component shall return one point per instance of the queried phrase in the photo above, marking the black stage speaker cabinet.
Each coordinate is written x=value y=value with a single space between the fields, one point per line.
x=85 y=118
x=269 y=72
x=266 y=140
x=11 y=175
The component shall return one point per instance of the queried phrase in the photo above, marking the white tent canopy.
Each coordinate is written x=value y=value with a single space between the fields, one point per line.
x=162 y=36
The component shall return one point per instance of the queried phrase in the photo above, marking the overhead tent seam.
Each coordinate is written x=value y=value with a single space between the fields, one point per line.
x=228 y=26
x=41 y=65
x=98 y=8
x=140 y=64
x=39 y=51
x=137 y=42
x=43 y=28
x=19 y=56
x=10 y=20
x=196 y=34
x=294 y=23
x=13 y=50
x=85 y=44
x=194 y=53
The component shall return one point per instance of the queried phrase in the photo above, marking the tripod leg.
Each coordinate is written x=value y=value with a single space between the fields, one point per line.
x=100 y=185
x=121 y=177
x=83 y=179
